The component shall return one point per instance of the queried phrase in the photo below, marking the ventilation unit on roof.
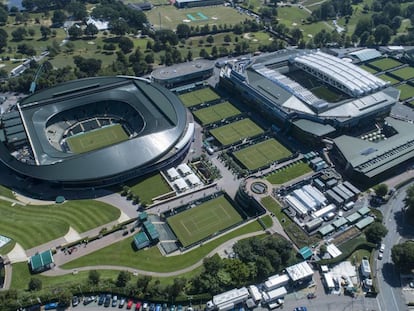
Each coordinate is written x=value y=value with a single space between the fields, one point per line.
x=368 y=151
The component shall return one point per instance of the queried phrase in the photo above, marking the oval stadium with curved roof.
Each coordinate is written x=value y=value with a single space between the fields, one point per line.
x=95 y=131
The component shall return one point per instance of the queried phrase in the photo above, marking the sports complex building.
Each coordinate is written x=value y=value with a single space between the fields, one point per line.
x=95 y=131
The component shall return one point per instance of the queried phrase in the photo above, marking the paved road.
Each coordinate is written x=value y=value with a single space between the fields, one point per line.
x=390 y=297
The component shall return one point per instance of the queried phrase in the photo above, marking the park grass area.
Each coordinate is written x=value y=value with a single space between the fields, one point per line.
x=123 y=254
x=21 y=277
x=407 y=91
x=261 y=154
x=369 y=69
x=204 y=220
x=267 y=221
x=34 y=225
x=405 y=73
x=288 y=173
x=170 y=16
x=6 y=192
x=236 y=131
x=384 y=64
x=388 y=78
x=295 y=233
x=197 y=97
x=97 y=139
x=149 y=188
x=216 y=113
x=5 y=249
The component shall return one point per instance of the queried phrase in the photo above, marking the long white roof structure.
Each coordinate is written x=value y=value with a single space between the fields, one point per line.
x=356 y=81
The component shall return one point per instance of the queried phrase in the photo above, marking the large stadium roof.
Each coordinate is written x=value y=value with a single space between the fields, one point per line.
x=165 y=125
x=179 y=70
x=372 y=158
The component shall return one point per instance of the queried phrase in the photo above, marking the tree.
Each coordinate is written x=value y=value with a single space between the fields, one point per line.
x=375 y=232
x=3 y=15
x=143 y=282
x=75 y=32
x=403 y=256
x=45 y=32
x=125 y=44
x=91 y=30
x=364 y=24
x=382 y=34
x=58 y=18
x=3 y=39
x=90 y=66
x=26 y=49
x=118 y=27
x=94 y=277
x=381 y=190
x=177 y=287
x=296 y=34
x=19 y=34
x=210 y=39
x=123 y=278
x=35 y=284
x=323 y=249
x=183 y=31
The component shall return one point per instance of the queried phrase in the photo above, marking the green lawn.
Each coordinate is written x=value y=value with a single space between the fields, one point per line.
x=285 y=174
x=369 y=69
x=150 y=188
x=236 y=131
x=272 y=205
x=6 y=192
x=170 y=16
x=386 y=77
x=97 y=139
x=123 y=254
x=261 y=154
x=385 y=63
x=405 y=73
x=407 y=91
x=197 y=97
x=7 y=248
x=34 y=225
x=216 y=113
x=204 y=220
x=267 y=221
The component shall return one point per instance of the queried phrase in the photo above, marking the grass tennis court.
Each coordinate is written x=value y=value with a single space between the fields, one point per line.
x=96 y=139
x=261 y=154
x=216 y=113
x=405 y=73
x=386 y=77
x=385 y=63
x=286 y=174
x=197 y=97
x=237 y=131
x=407 y=91
x=369 y=69
x=202 y=221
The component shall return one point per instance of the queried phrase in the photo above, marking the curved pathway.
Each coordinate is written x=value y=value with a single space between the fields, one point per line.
x=59 y=271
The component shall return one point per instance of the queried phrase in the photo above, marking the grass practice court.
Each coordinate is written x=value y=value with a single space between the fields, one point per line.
x=197 y=97
x=388 y=78
x=204 y=220
x=407 y=91
x=385 y=63
x=216 y=113
x=261 y=154
x=97 y=139
x=405 y=73
x=237 y=131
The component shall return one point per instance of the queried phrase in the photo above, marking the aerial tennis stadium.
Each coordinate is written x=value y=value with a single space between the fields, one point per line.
x=95 y=131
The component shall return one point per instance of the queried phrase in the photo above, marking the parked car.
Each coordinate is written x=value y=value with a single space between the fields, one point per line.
x=121 y=302
x=152 y=307
x=380 y=255
x=88 y=300
x=101 y=300
x=75 y=301
x=130 y=303
x=382 y=248
x=107 y=301
x=164 y=307
x=179 y=308
x=114 y=301
x=138 y=306
x=172 y=308
x=157 y=307
x=311 y=296
x=145 y=306
x=300 y=309
x=51 y=306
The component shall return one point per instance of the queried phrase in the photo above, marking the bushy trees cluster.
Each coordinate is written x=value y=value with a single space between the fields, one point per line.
x=255 y=259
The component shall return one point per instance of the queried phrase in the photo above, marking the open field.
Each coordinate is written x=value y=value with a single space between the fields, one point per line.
x=97 y=139
x=197 y=97
x=285 y=174
x=204 y=220
x=261 y=154
x=407 y=91
x=405 y=73
x=123 y=254
x=171 y=16
x=388 y=78
x=385 y=63
x=149 y=188
x=216 y=113
x=34 y=225
x=236 y=131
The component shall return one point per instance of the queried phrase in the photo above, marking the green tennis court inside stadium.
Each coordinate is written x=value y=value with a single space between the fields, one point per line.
x=236 y=131
x=204 y=220
x=216 y=113
x=261 y=154
x=97 y=139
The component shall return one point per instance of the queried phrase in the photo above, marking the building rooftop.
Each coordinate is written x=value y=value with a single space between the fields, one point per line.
x=39 y=261
x=314 y=128
x=299 y=271
x=364 y=222
x=178 y=70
